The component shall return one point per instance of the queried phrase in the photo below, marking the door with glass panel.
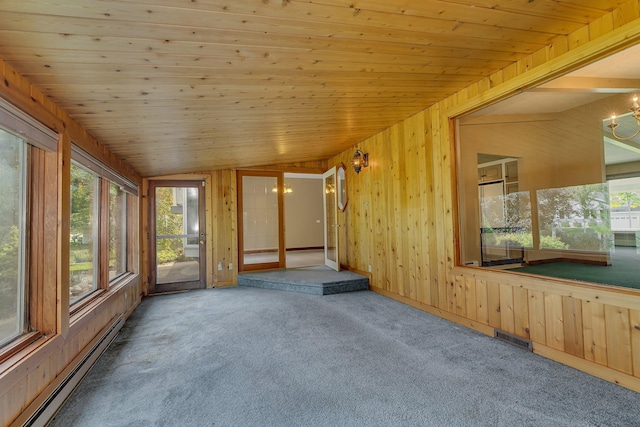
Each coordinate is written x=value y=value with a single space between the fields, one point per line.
x=260 y=220
x=177 y=236
x=331 y=219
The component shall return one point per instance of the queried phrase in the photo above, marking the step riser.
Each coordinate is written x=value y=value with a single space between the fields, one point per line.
x=307 y=288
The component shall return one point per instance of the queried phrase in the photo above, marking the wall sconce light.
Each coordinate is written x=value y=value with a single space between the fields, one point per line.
x=360 y=160
x=635 y=110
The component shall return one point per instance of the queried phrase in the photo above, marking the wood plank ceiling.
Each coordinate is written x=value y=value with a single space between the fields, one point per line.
x=190 y=85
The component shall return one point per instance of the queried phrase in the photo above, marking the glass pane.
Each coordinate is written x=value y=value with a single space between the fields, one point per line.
x=117 y=231
x=260 y=219
x=331 y=219
x=575 y=218
x=83 y=258
x=548 y=181
x=12 y=219
x=177 y=235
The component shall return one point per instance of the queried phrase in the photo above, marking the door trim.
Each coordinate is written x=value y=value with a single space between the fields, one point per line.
x=282 y=256
x=201 y=283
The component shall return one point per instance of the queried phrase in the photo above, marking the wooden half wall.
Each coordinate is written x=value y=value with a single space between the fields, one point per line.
x=401 y=225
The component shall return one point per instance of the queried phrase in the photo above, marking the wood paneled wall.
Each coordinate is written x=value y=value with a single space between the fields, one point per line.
x=401 y=225
x=26 y=375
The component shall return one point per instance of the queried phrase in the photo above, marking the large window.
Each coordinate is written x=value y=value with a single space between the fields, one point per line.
x=83 y=257
x=98 y=233
x=548 y=186
x=12 y=236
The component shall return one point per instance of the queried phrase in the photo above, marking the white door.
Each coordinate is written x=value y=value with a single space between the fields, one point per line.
x=330 y=198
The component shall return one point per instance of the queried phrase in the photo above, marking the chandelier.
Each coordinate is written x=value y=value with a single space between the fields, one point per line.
x=635 y=110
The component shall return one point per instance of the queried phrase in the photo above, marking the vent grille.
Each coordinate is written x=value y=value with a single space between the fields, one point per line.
x=513 y=339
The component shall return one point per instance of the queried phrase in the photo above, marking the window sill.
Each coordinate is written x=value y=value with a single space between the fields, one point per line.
x=99 y=297
x=17 y=346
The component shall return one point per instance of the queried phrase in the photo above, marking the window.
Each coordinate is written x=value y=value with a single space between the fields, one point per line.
x=83 y=257
x=12 y=236
x=117 y=231
x=548 y=186
x=98 y=232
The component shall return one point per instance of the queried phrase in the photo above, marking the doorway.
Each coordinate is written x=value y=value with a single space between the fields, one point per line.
x=260 y=220
x=280 y=220
x=177 y=236
x=304 y=230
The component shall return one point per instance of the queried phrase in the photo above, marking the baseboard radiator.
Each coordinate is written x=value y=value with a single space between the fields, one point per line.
x=44 y=412
x=513 y=339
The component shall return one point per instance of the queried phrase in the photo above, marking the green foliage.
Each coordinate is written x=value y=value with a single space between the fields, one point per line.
x=627 y=199
x=9 y=261
x=526 y=240
x=168 y=223
x=550 y=242
x=83 y=185
x=585 y=239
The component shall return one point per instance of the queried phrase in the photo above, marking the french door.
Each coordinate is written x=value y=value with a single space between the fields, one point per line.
x=330 y=197
x=177 y=236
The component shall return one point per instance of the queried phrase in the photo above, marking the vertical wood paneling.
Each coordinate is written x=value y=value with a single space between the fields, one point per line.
x=573 y=329
x=634 y=317
x=460 y=296
x=594 y=331
x=554 y=320
x=521 y=312
x=537 y=317
x=507 y=319
x=618 y=338
x=493 y=304
x=471 y=298
x=482 y=307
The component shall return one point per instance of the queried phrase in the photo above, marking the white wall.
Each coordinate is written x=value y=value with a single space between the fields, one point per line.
x=304 y=213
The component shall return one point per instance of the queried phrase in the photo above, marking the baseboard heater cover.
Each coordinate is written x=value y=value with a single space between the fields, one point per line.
x=46 y=411
x=513 y=339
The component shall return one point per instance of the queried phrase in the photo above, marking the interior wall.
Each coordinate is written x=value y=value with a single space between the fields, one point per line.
x=304 y=213
x=401 y=224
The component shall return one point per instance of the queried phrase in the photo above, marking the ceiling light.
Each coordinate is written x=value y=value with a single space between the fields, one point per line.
x=635 y=110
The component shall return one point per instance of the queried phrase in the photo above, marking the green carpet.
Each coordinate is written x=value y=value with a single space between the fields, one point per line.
x=623 y=271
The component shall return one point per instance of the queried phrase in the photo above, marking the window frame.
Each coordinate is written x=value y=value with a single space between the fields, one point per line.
x=105 y=178
x=124 y=235
x=39 y=195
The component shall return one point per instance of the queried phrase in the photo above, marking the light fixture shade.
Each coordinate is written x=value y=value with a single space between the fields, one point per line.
x=360 y=160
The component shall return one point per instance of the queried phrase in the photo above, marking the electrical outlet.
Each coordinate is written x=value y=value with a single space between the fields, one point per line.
x=220 y=266
x=369 y=268
x=230 y=266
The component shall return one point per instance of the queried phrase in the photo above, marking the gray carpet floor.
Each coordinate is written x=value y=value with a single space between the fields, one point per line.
x=256 y=357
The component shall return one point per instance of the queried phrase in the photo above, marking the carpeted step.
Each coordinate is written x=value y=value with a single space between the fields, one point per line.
x=312 y=280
